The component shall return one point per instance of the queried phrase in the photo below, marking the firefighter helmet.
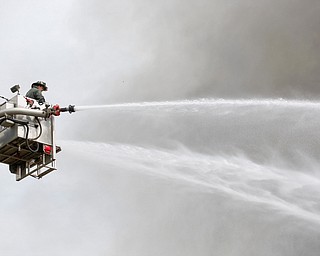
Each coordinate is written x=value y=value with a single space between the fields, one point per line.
x=41 y=83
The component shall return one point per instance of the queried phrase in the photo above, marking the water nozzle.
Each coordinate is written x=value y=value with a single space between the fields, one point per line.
x=69 y=109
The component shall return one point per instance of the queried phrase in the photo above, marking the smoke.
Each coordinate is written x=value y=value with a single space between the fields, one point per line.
x=123 y=51
x=151 y=50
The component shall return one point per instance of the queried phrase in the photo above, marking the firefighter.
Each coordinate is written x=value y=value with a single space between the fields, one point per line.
x=36 y=91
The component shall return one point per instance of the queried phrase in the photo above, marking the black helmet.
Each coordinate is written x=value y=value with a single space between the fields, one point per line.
x=41 y=83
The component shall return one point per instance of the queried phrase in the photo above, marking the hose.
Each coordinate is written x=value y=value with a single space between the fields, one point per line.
x=40 y=133
x=27 y=141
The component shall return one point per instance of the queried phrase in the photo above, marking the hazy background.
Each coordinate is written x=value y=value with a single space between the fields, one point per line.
x=106 y=51
x=219 y=180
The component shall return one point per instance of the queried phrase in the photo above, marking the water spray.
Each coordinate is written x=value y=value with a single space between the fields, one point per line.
x=186 y=104
x=27 y=141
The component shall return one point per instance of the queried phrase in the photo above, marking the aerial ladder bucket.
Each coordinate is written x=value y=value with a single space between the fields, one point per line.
x=27 y=137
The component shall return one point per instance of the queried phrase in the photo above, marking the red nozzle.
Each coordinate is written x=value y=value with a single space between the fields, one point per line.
x=56 y=110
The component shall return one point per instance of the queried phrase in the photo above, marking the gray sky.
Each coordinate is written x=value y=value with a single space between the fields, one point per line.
x=115 y=51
